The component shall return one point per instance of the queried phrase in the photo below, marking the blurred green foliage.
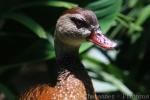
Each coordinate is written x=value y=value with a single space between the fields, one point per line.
x=26 y=38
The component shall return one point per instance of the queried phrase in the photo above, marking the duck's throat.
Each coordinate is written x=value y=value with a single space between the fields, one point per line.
x=66 y=55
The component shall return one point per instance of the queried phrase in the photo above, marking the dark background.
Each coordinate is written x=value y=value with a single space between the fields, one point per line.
x=27 y=53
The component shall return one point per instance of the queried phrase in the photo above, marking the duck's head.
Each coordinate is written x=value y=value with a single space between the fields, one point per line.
x=77 y=25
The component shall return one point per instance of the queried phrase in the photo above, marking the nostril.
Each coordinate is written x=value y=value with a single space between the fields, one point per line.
x=98 y=34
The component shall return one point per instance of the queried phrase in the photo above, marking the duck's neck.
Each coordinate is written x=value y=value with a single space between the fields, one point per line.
x=66 y=55
x=70 y=67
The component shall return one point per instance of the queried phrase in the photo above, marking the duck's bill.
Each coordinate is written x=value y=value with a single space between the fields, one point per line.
x=99 y=39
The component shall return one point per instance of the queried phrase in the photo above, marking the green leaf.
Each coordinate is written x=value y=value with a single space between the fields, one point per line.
x=61 y=4
x=101 y=86
x=106 y=11
x=28 y=22
x=64 y=4
x=9 y=95
x=85 y=46
x=114 y=70
x=143 y=15
x=100 y=4
x=123 y=22
x=117 y=83
x=132 y=3
x=96 y=66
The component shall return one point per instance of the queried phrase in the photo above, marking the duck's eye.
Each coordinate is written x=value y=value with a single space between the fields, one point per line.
x=79 y=22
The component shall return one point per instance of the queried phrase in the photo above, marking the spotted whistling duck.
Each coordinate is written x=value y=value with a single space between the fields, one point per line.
x=73 y=83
